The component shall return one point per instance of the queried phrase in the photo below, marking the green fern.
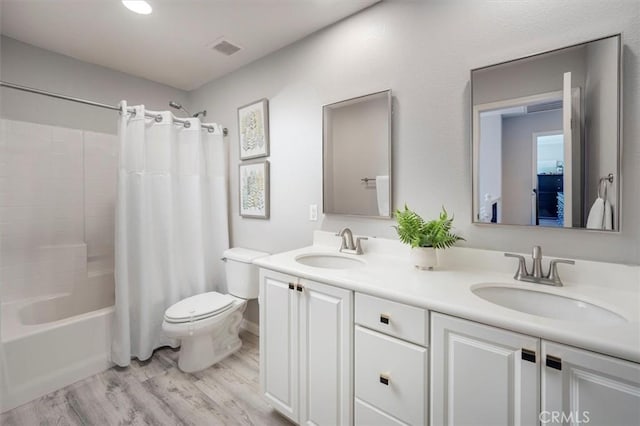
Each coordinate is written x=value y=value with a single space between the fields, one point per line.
x=413 y=230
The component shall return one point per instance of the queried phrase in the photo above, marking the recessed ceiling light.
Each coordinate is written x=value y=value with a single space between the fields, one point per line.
x=138 y=6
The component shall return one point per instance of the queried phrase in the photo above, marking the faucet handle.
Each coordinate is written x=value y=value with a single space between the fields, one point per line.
x=522 y=266
x=536 y=253
x=553 y=270
x=359 y=246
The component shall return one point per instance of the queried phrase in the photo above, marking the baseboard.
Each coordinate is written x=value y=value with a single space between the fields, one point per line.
x=251 y=327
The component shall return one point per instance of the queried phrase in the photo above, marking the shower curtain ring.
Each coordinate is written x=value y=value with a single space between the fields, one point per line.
x=158 y=118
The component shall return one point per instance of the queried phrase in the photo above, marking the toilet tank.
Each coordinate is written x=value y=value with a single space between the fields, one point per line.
x=242 y=274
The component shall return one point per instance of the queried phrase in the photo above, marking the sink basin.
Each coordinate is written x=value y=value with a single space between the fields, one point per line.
x=329 y=261
x=547 y=305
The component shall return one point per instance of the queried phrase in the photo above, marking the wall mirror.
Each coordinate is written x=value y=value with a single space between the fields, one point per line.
x=356 y=144
x=546 y=138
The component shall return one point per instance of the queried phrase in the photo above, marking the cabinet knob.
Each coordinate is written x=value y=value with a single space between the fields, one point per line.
x=554 y=362
x=385 y=378
x=384 y=318
x=291 y=286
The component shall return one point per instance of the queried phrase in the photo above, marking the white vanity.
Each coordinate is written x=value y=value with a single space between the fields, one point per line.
x=369 y=340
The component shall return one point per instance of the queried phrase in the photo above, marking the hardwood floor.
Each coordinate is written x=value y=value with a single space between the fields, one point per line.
x=155 y=392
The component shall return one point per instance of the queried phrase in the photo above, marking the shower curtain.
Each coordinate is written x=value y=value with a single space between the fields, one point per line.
x=171 y=225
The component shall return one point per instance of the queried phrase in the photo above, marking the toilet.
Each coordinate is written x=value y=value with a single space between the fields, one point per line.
x=208 y=324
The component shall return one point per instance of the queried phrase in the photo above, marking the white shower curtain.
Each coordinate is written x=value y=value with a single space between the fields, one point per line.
x=171 y=225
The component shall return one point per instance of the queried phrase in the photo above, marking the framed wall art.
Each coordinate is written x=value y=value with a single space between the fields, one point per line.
x=254 y=189
x=253 y=129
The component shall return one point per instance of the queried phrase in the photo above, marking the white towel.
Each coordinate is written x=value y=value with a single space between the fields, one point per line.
x=608 y=216
x=600 y=215
x=382 y=193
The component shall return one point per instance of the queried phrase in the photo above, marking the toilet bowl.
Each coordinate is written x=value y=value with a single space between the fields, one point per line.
x=208 y=324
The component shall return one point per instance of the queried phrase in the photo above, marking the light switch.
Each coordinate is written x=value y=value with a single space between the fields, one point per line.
x=313 y=212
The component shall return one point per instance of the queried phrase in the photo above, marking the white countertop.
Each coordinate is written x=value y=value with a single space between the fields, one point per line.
x=388 y=273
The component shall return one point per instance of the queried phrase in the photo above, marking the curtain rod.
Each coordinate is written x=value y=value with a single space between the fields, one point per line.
x=156 y=117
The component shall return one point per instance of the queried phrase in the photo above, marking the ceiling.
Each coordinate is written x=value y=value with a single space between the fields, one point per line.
x=173 y=44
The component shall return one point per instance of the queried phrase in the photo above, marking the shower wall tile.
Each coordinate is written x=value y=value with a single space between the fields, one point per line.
x=42 y=209
x=57 y=204
x=101 y=167
x=44 y=270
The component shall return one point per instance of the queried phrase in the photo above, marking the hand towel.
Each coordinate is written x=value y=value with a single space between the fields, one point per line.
x=608 y=216
x=382 y=193
x=597 y=214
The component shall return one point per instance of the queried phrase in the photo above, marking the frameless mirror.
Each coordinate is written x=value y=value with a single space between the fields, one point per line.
x=356 y=147
x=546 y=138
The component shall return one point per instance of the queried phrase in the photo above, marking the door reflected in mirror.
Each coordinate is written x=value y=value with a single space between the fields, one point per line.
x=356 y=147
x=546 y=138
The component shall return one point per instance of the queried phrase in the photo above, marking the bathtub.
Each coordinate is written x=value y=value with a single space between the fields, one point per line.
x=52 y=341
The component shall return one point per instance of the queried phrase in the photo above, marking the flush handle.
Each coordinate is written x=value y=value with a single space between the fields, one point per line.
x=554 y=362
x=384 y=318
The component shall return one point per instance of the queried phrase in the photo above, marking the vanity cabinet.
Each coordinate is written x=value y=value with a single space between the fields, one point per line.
x=390 y=362
x=589 y=387
x=484 y=375
x=306 y=349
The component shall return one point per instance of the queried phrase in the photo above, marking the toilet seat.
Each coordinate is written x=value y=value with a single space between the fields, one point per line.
x=198 y=307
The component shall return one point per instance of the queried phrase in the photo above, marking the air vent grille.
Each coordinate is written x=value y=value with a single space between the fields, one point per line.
x=546 y=106
x=226 y=48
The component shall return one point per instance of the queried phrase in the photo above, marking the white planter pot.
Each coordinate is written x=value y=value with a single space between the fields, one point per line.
x=425 y=258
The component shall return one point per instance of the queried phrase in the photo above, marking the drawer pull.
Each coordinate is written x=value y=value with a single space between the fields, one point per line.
x=528 y=355
x=384 y=318
x=554 y=362
x=300 y=288
x=291 y=286
x=385 y=379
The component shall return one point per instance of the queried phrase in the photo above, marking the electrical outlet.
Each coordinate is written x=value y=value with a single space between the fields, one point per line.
x=313 y=212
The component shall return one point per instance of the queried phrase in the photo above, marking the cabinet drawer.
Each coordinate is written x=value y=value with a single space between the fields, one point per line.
x=371 y=416
x=393 y=318
x=391 y=375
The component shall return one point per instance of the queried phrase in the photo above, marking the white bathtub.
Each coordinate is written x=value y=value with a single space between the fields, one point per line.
x=50 y=342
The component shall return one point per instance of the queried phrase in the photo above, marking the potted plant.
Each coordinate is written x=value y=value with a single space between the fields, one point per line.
x=425 y=237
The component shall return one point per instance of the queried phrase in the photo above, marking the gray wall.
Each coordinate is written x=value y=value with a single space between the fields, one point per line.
x=600 y=119
x=517 y=162
x=423 y=51
x=532 y=76
x=27 y=65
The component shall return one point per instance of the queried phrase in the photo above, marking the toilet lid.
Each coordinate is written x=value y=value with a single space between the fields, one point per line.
x=198 y=307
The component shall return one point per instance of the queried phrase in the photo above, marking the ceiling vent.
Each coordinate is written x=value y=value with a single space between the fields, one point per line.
x=545 y=106
x=225 y=47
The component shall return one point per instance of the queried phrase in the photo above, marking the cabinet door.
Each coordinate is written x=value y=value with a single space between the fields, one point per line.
x=582 y=387
x=279 y=341
x=482 y=375
x=325 y=354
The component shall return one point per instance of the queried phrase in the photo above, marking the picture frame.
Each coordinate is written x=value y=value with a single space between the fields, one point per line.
x=253 y=129
x=253 y=184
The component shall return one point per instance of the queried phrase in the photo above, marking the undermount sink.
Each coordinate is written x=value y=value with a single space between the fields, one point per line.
x=545 y=304
x=329 y=261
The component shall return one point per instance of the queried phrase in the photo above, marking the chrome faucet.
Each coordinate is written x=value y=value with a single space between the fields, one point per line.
x=348 y=245
x=536 y=276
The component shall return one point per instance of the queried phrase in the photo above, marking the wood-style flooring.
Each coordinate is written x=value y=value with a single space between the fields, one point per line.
x=156 y=392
